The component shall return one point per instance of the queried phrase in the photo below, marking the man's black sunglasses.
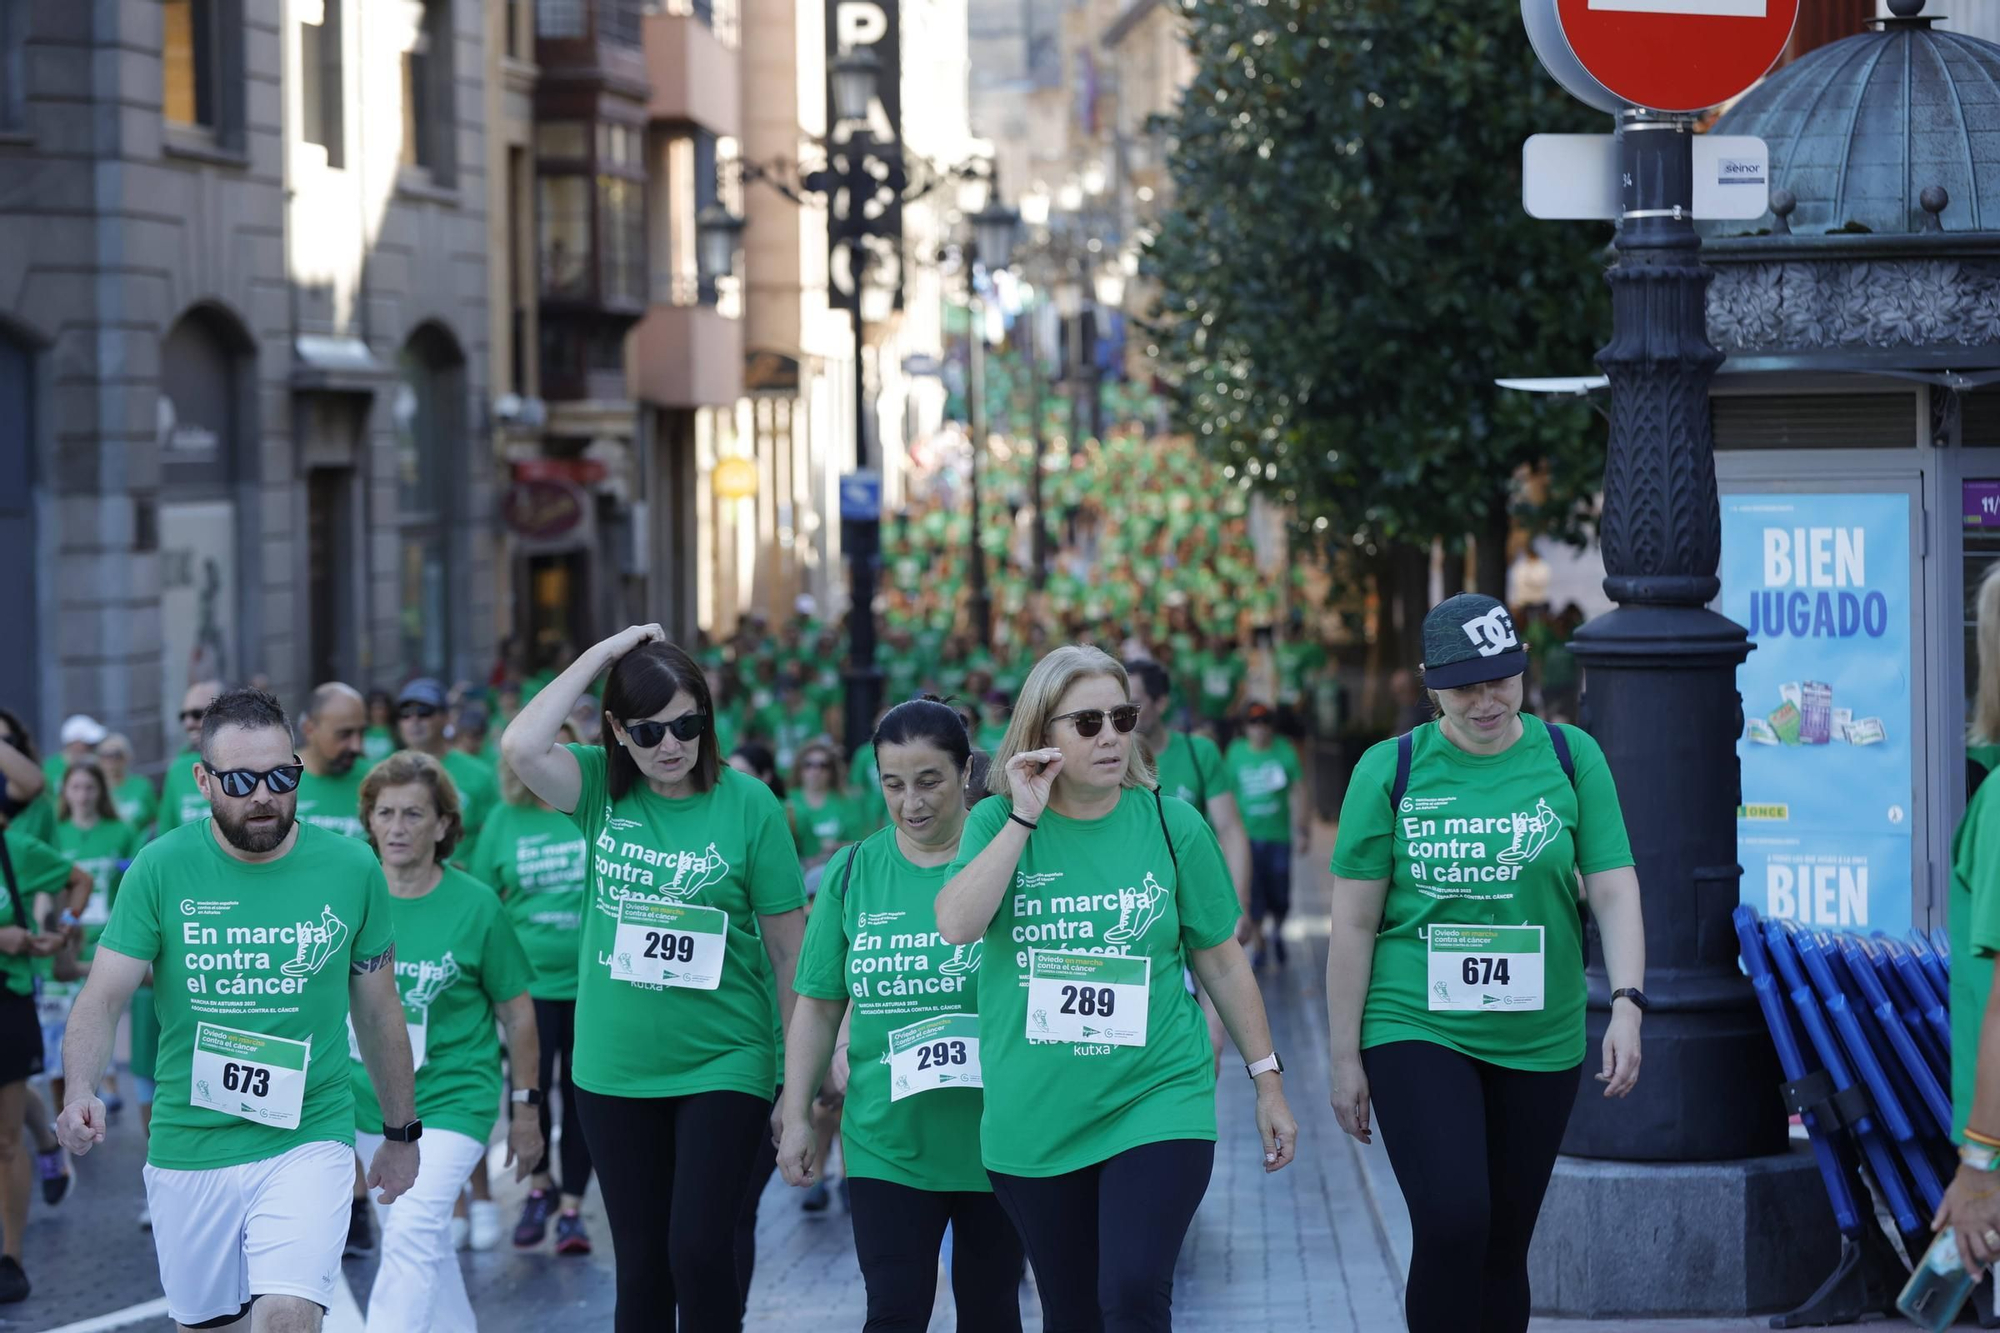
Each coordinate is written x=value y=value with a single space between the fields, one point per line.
x=416 y=710
x=192 y=714
x=241 y=782
x=1089 y=721
x=686 y=727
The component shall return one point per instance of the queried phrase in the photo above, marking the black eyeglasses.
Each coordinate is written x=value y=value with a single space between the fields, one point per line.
x=192 y=714
x=1089 y=721
x=416 y=710
x=686 y=727
x=241 y=782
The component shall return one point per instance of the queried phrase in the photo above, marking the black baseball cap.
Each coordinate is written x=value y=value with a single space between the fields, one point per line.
x=1470 y=639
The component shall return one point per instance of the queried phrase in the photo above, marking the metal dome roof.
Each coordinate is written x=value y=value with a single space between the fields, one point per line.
x=1861 y=129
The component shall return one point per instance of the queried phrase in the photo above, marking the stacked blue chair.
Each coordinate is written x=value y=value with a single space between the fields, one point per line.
x=1863 y=1035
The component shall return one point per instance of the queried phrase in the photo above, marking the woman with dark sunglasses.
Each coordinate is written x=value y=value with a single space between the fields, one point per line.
x=691 y=932
x=1092 y=891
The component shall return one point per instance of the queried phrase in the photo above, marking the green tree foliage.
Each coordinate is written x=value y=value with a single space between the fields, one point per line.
x=1346 y=266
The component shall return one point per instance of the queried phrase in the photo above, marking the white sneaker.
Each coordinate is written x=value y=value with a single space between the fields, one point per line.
x=461 y=1233
x=485 y=1224
x=145 y=1217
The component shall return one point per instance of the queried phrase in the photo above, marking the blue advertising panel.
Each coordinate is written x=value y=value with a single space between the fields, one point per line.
x=1822 y=582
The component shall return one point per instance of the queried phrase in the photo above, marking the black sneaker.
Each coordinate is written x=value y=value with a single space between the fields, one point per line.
x=534 y=1223
x=1278 y=947
x=360 y=1232
x=13 y=1282
x=58 y=1181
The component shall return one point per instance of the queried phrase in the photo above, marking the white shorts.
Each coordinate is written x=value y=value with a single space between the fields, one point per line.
x=270 y=1228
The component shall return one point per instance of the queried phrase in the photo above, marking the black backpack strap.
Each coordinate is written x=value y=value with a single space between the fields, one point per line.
x=1406 y=746
x=1160 y=805
x=1560 y=743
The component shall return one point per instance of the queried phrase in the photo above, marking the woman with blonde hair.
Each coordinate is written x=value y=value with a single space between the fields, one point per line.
x=532 y=855
x=458 y=968
x=1092 y=891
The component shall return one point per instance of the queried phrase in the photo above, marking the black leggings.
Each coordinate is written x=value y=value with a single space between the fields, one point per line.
x=897 y=1231
x=555 y=1020
x=676 y=1172
x=761 y=1168
x=1473 y=1145
x=1104 y=1239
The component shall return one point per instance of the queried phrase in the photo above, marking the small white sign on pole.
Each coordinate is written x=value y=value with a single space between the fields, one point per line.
x=1575 y=176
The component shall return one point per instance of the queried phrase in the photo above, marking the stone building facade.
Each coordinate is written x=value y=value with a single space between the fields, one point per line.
x=243 y=346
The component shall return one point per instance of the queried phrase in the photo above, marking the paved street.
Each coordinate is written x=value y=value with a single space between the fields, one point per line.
x=1318 y=1248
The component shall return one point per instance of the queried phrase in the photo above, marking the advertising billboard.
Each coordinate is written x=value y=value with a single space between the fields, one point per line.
x=1822 y=582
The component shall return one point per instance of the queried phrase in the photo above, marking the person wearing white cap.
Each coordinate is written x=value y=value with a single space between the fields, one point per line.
x=79 y=736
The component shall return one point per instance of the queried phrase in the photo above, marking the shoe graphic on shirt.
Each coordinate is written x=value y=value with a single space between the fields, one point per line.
x=696 y=872
x=316 y=944
x=1138 y=909
x=1532 y=833
x=433 y=980
x=964 y=959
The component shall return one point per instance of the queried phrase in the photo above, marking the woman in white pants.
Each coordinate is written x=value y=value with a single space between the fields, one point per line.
x=458 y=967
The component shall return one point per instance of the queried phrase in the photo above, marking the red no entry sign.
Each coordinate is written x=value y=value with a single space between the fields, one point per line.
x=1677 y=55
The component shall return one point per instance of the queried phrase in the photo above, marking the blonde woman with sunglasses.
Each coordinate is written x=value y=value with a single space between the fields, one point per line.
x=1091 y=892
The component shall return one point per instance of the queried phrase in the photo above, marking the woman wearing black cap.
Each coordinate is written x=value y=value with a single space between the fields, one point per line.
x=1455 y=986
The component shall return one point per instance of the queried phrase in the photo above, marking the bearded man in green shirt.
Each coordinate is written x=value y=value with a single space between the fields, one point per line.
x=266 y=935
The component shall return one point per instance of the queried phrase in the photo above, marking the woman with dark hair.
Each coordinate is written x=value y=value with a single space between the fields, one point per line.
x=695 y=902
x=908 y=1066
x=25 y=799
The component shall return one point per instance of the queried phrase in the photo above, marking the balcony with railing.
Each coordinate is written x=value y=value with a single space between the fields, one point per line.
x=694 y=66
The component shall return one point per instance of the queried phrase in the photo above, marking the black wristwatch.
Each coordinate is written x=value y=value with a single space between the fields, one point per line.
x=1634 y=994
x=409 y=1133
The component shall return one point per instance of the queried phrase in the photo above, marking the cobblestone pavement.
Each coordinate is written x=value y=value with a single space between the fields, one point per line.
x=1318 y=1247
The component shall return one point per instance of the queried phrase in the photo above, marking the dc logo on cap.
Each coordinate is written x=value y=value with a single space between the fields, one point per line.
x=1492 y=633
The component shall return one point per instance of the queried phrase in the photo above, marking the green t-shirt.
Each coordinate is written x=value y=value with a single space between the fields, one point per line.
x=821 y=830
x=478 y=789
x=728 y=848
x=1262 y=781
x=181 y=801
x=989 y=737
x=1106 y=886
x=539 y=865
x=102 y=850
x=864 y=779
x=38 y=868
x=787 y=729
x=1298 y=661
x=1973 y=917
x=264 y=948
x=137 y=802
x=334 y=803
x=1499 y=840
x=456 y=960
x=877 y=944
x=37 y=819
x=1216 y=676
x=1190 y=769
x=377 y=744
